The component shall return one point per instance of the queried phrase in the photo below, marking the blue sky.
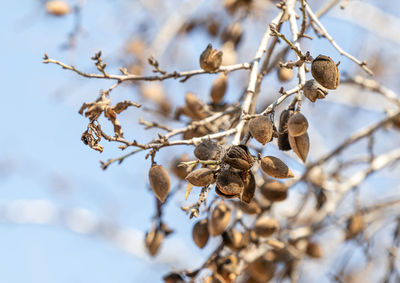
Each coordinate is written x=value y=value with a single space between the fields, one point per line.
x=42 y=157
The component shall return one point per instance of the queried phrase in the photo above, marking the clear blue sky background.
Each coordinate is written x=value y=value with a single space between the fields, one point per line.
x=42 y=157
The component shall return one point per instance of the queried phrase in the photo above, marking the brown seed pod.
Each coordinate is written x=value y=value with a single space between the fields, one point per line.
x=210 y=59
x=219 y=219
x=239 y=157
x=275 y=167
x=233 y=239
x=159 y=182
x=283 y=137
x=57 y=7
x=300 y=145
x=249 y=186
x=266 y=226
x=355 y=225
x=207 y=150
x=173 y=278
x=249 y=208
x=233 y=33
x=195 y=107
x=313 y=90
x=261 y=270
x=218 y=89
x=198 y=132
x=285 y=74
x=313 y=250
x=297 y=125
x=261 y=129
x=179 y=171
x=201 y=177
x=227 y=267
x=153 y=241
x=200 y=233
x=325 y=72
x=274 y=190
x=229 y=183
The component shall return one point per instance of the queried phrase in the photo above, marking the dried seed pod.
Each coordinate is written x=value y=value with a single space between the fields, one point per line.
x=261 y=270
x=179 y=171
x=153 y=241
x=233 y=239
x=210 y=59
x=173 y=278
x=219 y=219
x=297 y=125
x=261 y=129
x=274 y=190
x=207 y=150
x=355 y=225
x=313 y=250
x=285 y=74
x=159 y=182
x=57 y=7
x=229 y=183
x=200 y=233
x=227 y=267
x=266 y=226
x=300 y=145
x=275 y=167
x=198 y=132
x=313 y=90
x=325 y=71
x=233 y=33
x=201 y=177
x=249 y=208
x=249 y=186
x=218 y=89
x=239 y=157
x=195 y=107
x=283 y=137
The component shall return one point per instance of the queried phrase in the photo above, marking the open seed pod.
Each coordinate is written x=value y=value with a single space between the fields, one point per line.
x=261 y=270
x=297 y=125
x=219 y=219
x=300 y=145
x=249 y=208
x=274 y=167
x=325 y=71
x=229 y=184
x=283 y=137
x=249 y=186
x=266 y=226
x=201 y=177
x=200 y=233
x=274 y=190
x=159 y=182
x=207 y=150
x=314 y=250
x=239 y=157
x=179 y=171
x=313 y=90
x=355 y=225
x=285 y=74
x=261 y=129
x=210 y=59
x=153 y=241
x=218 y=89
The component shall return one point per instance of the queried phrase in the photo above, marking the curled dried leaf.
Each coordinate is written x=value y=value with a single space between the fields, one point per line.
x=275 y=167
x=159 y=182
